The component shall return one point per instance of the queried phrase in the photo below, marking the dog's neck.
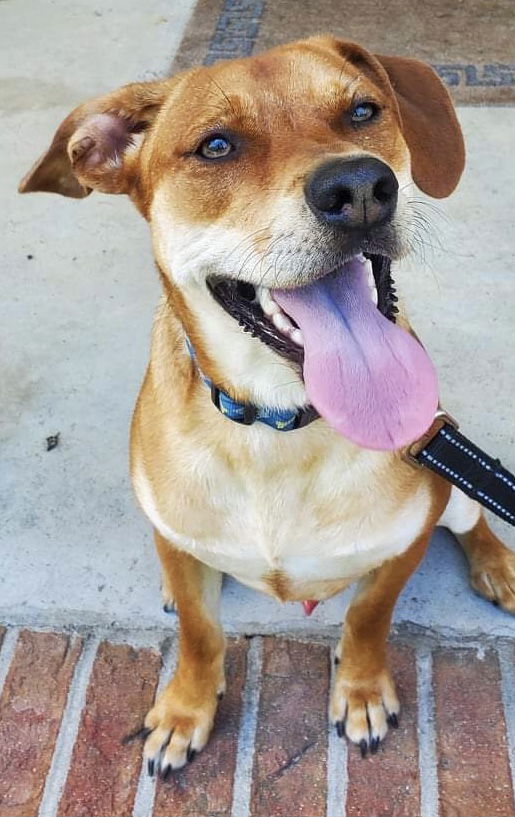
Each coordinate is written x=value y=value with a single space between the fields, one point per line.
x=242 y=366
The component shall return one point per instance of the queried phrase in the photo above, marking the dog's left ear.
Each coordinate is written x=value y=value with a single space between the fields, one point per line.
x=429 y=124
x=97 y=145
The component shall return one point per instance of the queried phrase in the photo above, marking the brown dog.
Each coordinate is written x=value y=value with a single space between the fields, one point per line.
x=264 y=180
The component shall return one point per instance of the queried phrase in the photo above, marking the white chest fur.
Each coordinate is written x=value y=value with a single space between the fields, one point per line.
x=329 y=521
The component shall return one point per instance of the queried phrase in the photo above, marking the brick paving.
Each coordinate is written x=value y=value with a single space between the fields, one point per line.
x=31 y=706
x=473 y=764
x=270 y=751
x=388 y=783
x=120 y=692
x=205 y=787
x=291 y=740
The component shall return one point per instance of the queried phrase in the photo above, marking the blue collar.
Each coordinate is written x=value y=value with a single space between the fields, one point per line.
x=247 y=413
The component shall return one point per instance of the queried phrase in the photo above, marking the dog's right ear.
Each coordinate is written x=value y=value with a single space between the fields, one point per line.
x=97 y=145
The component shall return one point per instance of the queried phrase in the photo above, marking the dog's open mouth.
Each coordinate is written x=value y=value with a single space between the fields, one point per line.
x=369 y=378
x=258 y=313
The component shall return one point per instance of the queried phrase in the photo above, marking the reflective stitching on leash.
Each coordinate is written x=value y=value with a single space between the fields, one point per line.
x=508 y=482
x=496 y=505
x=482 y=462
x=468 y=485
x=446 y=469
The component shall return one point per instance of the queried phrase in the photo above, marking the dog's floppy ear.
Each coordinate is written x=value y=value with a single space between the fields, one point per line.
x=427 y=117
x=429 y=123
x=96 y=146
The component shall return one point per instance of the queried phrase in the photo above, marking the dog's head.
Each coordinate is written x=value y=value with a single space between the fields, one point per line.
x=276 y=188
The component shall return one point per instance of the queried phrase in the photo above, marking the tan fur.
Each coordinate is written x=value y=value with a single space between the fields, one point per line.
x=298 y=515
x=492 y=565
x=183 y=714
x=364 y=692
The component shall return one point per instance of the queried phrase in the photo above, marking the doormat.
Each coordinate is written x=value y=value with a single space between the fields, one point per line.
x=470 y=43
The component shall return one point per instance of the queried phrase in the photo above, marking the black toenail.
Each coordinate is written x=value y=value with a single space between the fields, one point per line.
x=191 y=754
x=220 y=695
x=374 y=745
x=495 y=603
x=165 y=773
x=168 y=608
x=393 y=720
x=363 y=747
x=150 y=767
x=340 y=728
x=336 y=660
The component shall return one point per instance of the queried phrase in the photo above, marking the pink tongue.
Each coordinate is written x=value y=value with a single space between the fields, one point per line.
x=370 y=379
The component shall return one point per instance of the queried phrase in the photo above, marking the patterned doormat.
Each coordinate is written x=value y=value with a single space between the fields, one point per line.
x=469 y=42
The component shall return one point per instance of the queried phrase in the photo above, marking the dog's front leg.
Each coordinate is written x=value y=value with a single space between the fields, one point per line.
x=364 y=701
x=182 y=717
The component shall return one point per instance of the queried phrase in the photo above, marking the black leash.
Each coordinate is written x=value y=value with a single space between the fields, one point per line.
x=455 y=458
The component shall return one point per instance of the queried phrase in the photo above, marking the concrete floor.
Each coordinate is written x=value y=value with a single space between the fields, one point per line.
x=79 y=291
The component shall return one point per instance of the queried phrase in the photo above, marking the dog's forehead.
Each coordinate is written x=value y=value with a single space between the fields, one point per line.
x=288 y=72
x=289 y=79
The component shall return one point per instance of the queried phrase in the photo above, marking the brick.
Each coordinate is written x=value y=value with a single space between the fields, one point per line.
x=290 y=763
x=31 y=708
x=104 y=772
x=205 y=785
x=387 y=783
x=473 y=766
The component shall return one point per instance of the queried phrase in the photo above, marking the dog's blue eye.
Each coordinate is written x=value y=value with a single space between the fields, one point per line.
x=216 y=147
x=363 y=112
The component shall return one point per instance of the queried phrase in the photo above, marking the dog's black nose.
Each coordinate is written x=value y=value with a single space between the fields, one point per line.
x=352 y=193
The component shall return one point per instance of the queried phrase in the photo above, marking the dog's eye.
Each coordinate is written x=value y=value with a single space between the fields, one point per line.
x=216 y=147
x=364 y=111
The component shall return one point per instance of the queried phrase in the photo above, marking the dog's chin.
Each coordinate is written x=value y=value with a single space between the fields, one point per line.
x=256 y=311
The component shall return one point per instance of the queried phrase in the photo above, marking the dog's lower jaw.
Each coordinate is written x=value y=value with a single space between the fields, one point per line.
x=235 y=362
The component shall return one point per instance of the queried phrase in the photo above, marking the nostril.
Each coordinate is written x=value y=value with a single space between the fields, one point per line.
x=385 y=189
x=335 y=199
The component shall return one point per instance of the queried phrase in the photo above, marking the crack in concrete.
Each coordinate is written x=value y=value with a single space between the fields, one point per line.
x=292 y=761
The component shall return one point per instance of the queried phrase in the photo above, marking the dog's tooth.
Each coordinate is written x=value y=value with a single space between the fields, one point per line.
x=297 y=337
x=282 y=323
x=370 y=279
x=271 y=309
x=268 y=305
x=369 y=272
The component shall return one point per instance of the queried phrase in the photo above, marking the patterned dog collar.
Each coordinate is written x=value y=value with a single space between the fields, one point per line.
x=247 y=413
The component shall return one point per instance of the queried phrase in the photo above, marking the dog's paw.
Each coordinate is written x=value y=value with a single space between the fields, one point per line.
x=180 y=723
x=493 y=577
x=363 y=710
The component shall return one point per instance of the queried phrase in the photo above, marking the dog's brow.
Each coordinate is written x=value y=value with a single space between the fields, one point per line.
x=231 y=106
x=350 y=87
x=217 y=100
